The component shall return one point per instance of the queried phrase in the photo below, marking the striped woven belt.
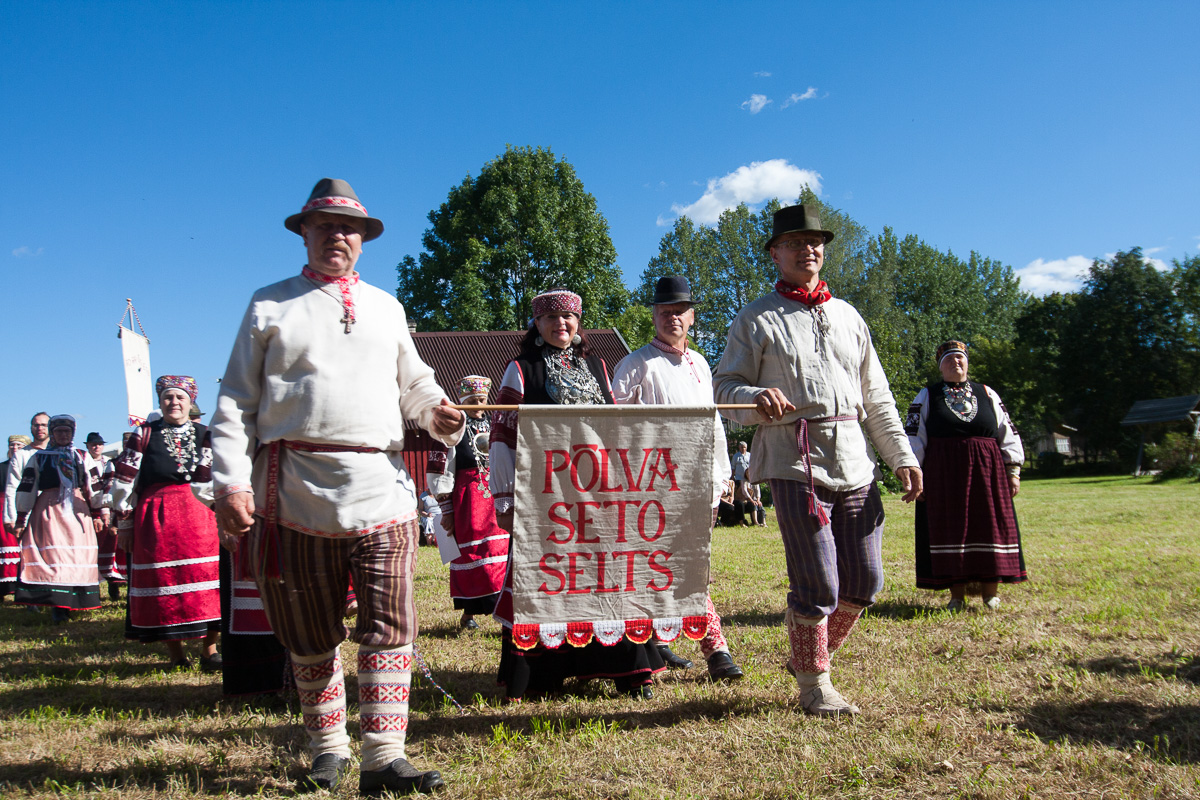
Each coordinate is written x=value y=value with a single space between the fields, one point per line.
x=814 y=508
x=271 y=553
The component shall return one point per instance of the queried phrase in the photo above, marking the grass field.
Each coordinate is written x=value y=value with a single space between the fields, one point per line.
x=1086 y=683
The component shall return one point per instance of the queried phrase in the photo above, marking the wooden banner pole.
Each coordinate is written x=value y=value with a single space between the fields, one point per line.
x=635 y=407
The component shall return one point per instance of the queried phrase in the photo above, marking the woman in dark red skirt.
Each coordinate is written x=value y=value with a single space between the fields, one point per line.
x=971 y=455
x=170 y=536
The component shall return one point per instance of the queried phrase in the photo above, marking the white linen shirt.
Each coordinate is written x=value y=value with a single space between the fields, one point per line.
x=776 y=342
x=653 y=376
x=295 y=374
x=16 y=466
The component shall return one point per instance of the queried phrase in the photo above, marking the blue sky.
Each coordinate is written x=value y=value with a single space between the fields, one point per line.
x=152 y=150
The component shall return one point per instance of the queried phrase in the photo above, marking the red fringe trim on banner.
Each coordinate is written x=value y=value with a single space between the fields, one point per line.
x=695 y=628
x=639 y=631
x=579 y=634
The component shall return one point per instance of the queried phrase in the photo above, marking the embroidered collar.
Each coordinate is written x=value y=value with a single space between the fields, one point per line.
x=816 y=297
x=675 y=351
x=343 y=284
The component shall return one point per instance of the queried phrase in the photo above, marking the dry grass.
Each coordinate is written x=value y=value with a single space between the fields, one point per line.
x=1085 y=684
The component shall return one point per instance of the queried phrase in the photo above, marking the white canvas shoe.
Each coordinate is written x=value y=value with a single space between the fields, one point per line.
x=818 y=697
x=992 y=602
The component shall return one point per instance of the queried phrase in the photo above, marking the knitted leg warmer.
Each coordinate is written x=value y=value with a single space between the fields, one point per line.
x=841 y=621
x=384 y=678
x=810 y=643
x=714 y=640
x=322 y=689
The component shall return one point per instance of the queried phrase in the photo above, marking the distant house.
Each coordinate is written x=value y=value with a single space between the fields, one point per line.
x=1147 y=413
x=1055 y=441
x=453 y=354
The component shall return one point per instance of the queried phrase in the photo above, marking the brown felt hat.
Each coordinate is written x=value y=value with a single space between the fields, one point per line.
x=334 y=196
x=794 y=219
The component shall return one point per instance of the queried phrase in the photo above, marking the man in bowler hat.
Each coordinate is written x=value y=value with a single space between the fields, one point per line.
x=806 y=361
x=307 y=440
x=669 y=372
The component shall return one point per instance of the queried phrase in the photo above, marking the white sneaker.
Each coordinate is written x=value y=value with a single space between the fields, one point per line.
x=819 y=698
x=992 y=602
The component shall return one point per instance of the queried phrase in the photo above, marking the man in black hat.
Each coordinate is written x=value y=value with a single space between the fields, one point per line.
x=307 y=437
x=805 y=359
x=667 y=371
x=100 y=471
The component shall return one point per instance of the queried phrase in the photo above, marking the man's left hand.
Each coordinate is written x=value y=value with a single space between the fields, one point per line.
x=912 y=482
x=447 y=420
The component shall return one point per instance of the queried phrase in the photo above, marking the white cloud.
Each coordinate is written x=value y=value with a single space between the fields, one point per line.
x=27 y=252
x=762 y=74
x=756 y=103
x=809 y=94
x=753 y=184
x=1043 y=277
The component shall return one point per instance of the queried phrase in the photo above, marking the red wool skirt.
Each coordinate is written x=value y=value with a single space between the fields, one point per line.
x=966 y=527
x=477 y=575
x=174 y=576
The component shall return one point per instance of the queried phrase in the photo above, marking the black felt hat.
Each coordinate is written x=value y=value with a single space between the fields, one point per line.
x=672 y=289
x=94 y=438
x=794 y=219
x=334 y=196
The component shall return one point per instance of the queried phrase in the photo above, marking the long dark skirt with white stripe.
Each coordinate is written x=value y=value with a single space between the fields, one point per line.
x=173 y=567
x=966 y=527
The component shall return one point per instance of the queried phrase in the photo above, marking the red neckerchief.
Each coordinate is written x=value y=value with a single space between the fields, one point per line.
x=683 y=354
x=343 y=283
x=814 y=298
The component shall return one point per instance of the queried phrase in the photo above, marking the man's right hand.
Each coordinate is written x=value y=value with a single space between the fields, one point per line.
x=773 y=404
x=235 y=512
x=10 y=529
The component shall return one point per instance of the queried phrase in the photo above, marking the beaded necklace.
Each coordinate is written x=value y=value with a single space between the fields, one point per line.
x=961 y=401
x=181 y=444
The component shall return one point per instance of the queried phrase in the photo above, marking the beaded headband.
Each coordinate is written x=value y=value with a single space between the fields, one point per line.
x=185 y=383
x=950 y=348
x=557 y=301
x=474 y=386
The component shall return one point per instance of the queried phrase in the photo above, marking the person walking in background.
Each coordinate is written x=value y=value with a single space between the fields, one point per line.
x=39 y=429
x=322 y=376
x=668 y=372
x=741 y=489
x=10 y=547
x=555 y=365
x=971 y=456
x=170 y=535
x=806 y=361
x=56 y=529
x=459 y=479
x=100 y=471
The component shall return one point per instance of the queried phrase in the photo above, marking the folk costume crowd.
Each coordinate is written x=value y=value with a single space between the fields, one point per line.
x=303 y=467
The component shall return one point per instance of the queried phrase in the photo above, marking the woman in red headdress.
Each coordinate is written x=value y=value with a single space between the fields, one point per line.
x=170 y=536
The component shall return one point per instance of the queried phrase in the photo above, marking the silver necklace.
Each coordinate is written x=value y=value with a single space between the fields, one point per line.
x=569 y=382
x=181 y=444
x=961 y=401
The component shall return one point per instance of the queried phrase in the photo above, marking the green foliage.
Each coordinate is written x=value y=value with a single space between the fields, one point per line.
x=1174 y=457
x=636 y=326
x=524 y=225
x=1129 y=337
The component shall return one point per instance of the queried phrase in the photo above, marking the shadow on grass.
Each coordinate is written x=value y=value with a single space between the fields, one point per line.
x=753 y=619
x=1166 y=665
x=216 y=780
x=900 y=609
x=1170 y=734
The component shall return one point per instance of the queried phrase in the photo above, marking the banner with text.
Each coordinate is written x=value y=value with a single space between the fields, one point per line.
x=613 y=520
x=135 y=352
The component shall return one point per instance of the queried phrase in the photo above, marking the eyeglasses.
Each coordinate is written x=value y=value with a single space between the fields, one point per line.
x=800 y=244
x=343 y=228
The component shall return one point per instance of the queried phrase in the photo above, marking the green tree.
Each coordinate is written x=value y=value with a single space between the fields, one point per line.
x=523 y=225
x=1129 y=339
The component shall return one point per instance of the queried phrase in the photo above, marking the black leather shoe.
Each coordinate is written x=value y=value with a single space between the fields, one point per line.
x=326 y=773
x=401 y=777
x=673 y=661
x=722 y=668
x=114 y=591
x=468 y=624
x=213 y=663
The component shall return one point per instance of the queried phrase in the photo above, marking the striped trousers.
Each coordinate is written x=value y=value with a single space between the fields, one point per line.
x=841 y=560
x=305 y=605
